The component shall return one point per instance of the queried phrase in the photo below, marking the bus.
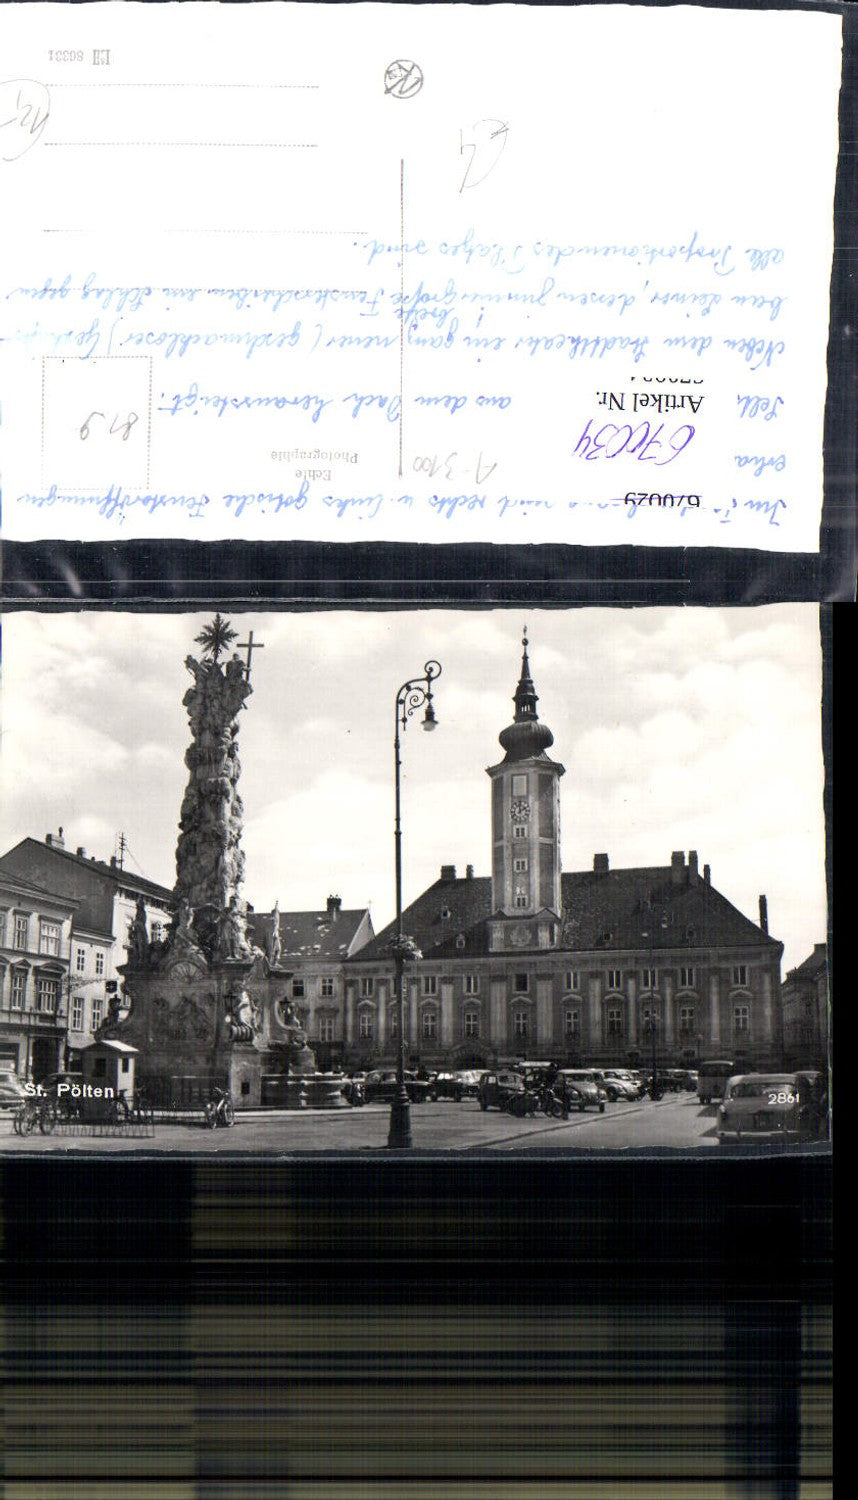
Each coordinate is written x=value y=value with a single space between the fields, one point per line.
x=712 y=1075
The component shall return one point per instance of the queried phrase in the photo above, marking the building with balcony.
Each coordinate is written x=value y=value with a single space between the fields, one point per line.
x=35 y=945
x=102 y=898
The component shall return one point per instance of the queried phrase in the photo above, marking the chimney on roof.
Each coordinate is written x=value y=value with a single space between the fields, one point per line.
x=469 y=872
x=693 y=872
x=80 y=852
x=55 y=840
x=334 y=907
x=707 y=874
x=448 y=872
x=600 y=864
x=113 y=862
x=764 y=915
x=677 y=866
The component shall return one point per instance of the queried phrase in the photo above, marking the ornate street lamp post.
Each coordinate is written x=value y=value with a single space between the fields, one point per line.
x=413 y=694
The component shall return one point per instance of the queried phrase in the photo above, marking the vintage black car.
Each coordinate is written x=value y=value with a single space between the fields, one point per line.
x=447 y=1086
x=380 y=1086
x=508 y=1091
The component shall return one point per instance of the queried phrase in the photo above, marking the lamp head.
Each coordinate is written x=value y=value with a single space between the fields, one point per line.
x=429 y=720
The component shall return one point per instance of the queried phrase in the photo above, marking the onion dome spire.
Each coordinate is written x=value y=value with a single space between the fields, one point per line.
x=525 y=737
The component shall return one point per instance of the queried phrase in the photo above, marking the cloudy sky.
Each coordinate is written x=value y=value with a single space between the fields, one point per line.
x=678 y=728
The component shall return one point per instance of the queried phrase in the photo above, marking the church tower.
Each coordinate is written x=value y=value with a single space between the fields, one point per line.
x=526 y=898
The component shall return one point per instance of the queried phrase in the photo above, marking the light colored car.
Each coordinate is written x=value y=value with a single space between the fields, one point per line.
x=12 y=1091
x=774 y=1107
x=619 y=1084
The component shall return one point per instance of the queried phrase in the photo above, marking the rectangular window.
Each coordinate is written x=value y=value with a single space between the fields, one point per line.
x=519 y=786
x=741 y=1019
x=22 y=932
x=472 y=1023
x=99 y=1067
x=430 y=984
x=429 y=1025
x=615 y=1022
x=99 y=962
x=365 y=1026
x=367 y=985
x=297 y=989
x=97 y=1012
x=650 y=1016
x=521 y=983
x=520 y=831
x=740 y=974
x=472 y=984
x=687 y=978
x=80 y=961
x=19 y=988
x=49 y=938
x=326 y=1029
x=572 y=979
x=649 y=979
x=47 y=994
x=571 y=1024
x=519 y=865
x=520 y=1024
x=157 y=932
x=615 y=979
x=521 y=900
x=326 y=988
x=686 y=1018
x=76 y=1022
x=3 y=916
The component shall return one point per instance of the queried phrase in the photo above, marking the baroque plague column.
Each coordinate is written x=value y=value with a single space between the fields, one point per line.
x=191 y=1015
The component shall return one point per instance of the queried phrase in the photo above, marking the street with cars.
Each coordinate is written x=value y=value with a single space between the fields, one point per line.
x=506 y=1110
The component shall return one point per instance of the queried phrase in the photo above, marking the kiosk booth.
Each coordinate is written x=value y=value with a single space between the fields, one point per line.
x=107 y=1082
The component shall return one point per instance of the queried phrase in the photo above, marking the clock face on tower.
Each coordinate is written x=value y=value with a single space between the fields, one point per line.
x=520 y=809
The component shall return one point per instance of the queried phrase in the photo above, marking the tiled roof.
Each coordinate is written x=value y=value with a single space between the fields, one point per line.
x=813 y=966
x=91 y=882
x=608 y=912
x=312 y=934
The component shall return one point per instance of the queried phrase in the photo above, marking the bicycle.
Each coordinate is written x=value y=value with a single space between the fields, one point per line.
x=41 y=1112
x=219 y=1109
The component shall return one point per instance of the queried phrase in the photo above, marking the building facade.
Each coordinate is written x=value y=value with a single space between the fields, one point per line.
x=590 y=967
x=805 y=1011
x=306 y=952
x=103 y=900
x=35 y=946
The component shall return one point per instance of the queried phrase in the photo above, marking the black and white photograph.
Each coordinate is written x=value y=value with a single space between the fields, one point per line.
x=424 y=880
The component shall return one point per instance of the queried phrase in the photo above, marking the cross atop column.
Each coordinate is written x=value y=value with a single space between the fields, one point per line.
x=250 y=645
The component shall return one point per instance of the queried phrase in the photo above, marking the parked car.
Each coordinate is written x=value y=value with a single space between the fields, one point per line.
x=12 y=1091
x=775 y=1107
x=585 y=1086
x=447 y=1086
x=618 y=1084
x=470 y=1081
x=380 y=1086
x=508 y=1091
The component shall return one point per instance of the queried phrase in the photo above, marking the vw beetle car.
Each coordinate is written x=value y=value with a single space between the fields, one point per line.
x=585 y=1086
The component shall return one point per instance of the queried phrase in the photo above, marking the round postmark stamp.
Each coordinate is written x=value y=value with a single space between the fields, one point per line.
x=403 y=79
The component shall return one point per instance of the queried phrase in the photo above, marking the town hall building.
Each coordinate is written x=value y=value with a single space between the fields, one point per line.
x=590 y=967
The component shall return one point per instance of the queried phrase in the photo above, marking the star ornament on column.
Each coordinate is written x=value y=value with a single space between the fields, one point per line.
x=216 y=637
